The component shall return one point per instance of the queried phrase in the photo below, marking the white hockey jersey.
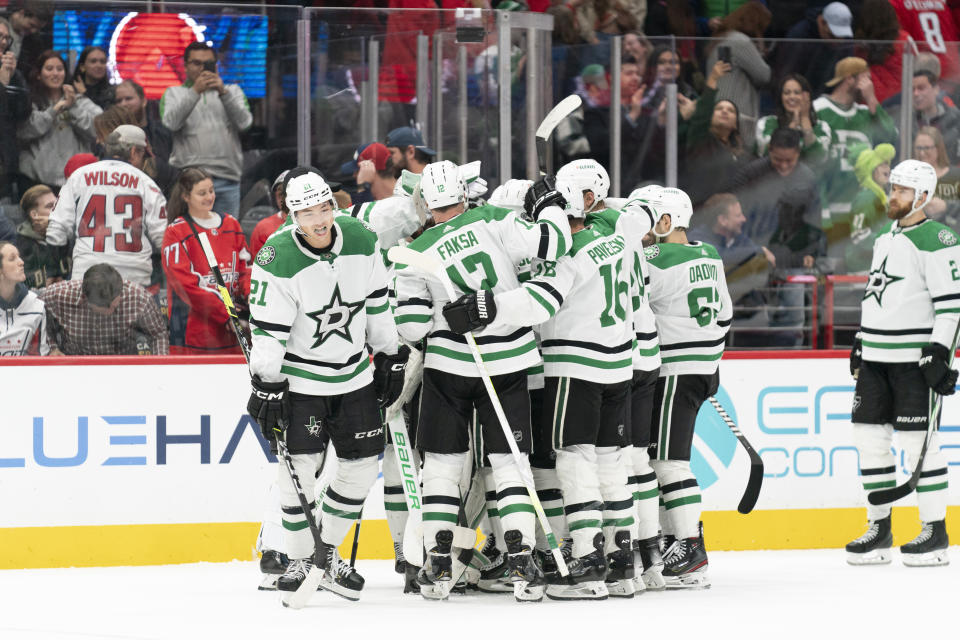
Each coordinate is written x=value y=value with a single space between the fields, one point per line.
x=584 y=300
x=913 y=293
x=479 y=249
x=689 y=297
x=21 y=319
x=316 y=311
x=116 y=212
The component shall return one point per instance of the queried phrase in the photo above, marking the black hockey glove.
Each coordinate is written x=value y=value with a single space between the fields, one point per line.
x=269 y=405
x=541 y=195
x=388 y=373
x=470 y=312
x=856 y=356
x=936 y=370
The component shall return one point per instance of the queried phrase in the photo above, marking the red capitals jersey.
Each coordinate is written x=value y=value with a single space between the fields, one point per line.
x=192 y=288
x=264 y=230
x=931 y=24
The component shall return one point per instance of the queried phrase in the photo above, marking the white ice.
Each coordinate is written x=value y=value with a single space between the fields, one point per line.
x=759 y=594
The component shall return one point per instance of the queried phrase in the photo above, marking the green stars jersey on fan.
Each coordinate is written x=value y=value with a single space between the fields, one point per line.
x=689 y=297
x=479 y=249
x=313 y=312
x=584 y=300
x=913 y=292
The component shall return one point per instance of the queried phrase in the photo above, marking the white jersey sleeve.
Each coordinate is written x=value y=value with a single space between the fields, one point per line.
x=392 y=219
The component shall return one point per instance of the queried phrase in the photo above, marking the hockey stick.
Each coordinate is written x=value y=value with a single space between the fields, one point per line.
x=563 y=109
x=296 y=599
x=752 y=492
x=356 y=540
x=885 y=496
x=410 y=479
x=430 y=265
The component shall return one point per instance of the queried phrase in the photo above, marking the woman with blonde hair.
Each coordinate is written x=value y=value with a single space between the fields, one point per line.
x=23 y=319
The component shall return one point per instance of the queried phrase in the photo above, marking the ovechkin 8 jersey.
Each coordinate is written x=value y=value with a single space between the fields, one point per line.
x=479 y=249
x=313 y=312
x=584 y=301
x=913 y=292
x=689 y=297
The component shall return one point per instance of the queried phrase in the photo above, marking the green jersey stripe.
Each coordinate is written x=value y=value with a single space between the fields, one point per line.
x=374 y=310
x=692 y=358
x=309 y=375
x=413 y=318
x=487 y=357
x=590 y=362
x=543 y=303
x=894 y=345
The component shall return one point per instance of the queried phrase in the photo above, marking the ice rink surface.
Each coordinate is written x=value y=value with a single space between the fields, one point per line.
x=813 y=595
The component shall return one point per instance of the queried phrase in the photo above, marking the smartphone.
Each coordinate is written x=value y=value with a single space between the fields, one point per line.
x=723 y=53
x=211 y=65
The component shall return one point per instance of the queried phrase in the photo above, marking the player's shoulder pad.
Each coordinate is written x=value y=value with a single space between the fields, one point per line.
x=587 y=236
x=931 y=236
x=358 y=238
x=281 y=257
x=434 y=234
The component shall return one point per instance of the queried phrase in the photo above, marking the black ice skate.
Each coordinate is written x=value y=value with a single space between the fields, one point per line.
x=929 y=549
x=294 y=575
x=685 y=564
x=495 y=576
x=873 y=547
x=586 y=579
x=525 y=575
x=402 y=566
x=273 y=564
x=338 y=576
x=650 y=559
x=399 y=562
x=436 y=576
x=620 y=568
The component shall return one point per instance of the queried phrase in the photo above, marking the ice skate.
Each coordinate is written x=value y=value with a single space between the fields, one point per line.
x=651 y=560
x=294 y=575
x=586 y=578
x=873 y=547
x=525 y=576
x=338 y=576
x=436 y=576
x=495 y=577
x=685 y=565
x=273 y=564
x=929 y=549
x=620 y=568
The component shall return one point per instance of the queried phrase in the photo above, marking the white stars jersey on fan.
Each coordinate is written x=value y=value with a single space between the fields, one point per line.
x=479 y=249
x=313 y=312
x=117 y=215
x=689 y=297
x=22 y=319
x=913 y=292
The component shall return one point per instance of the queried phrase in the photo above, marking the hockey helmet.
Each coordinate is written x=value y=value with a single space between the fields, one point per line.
x=511 y=194
x=586 y=175
x=441 y=185
x=307 y=190
x=917 y=175
x=574 y=197
x=673 y=202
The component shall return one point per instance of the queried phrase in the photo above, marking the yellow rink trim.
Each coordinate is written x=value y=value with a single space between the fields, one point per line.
x=151 y=544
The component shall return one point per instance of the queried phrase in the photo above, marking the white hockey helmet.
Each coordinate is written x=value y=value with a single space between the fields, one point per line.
x=306 y=191
x=673 y=202
x=574 y=197
x=586 y=175
x=511 y=194
x=917 y=175
x=645 y=192
x=441 y=185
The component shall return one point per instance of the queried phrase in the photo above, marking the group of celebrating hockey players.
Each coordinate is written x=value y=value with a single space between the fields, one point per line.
x=601 y=327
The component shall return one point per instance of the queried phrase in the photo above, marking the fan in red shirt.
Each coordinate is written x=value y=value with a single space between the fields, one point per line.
x=198 y=319
x=268 y=225
x=931 y=23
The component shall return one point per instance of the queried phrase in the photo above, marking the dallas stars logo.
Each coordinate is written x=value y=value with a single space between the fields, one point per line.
x=313 y=427
x=879 y=281
x=335 y=318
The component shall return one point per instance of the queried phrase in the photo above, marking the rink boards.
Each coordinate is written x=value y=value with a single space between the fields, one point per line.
x=128 y=461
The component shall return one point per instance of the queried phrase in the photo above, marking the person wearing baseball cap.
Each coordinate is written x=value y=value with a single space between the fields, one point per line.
x=408 y=150
x=377 y=171
x=853 y=113
x=813 y=46
x=837 y=20
x=349 y=168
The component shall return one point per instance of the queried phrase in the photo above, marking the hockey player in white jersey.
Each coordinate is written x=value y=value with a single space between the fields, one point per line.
x=323 y=299
x=689 y=297
x=902 y=360
x=114 y=210
x=479 y=249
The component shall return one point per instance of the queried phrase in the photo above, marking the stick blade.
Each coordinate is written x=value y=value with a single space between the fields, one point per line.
x=563 y=109
x=752 y=492
x=299 y=598
x=886 y=496
x=415 y=259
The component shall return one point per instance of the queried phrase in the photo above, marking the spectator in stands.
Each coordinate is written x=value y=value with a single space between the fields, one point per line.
x=760 y=185
x=854 y=114
x=637 y=47
x=44 y=264
x=596 y=86
x=408 y=150
x=721 y=225
x=359 y=193
x=268 y=225
x=663 y=67
x=102 y=314
x=794 y=110
x=739 y=34
x=90 y=77
x=930 y=110
x=23 y=319
x=60 y=124
x=376 y=170
x=130 y=96
x=831 y=26
x=206 y=117
x=929 y=147
x=868 y=213
x=106 y=122
x=160 y=171
x=198 y=320
x=28 y=41
x=14 y=107
x=77 y=161
x=714 y=145
x=881 y=44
